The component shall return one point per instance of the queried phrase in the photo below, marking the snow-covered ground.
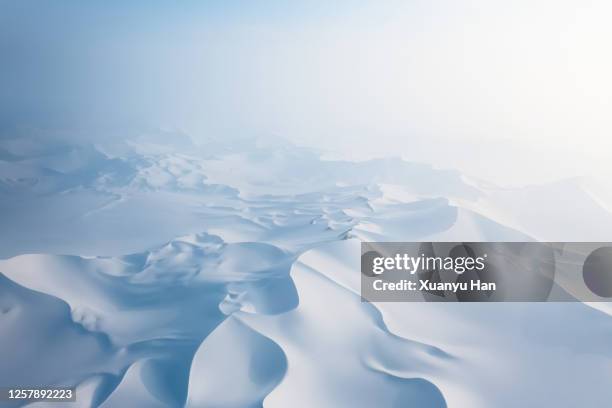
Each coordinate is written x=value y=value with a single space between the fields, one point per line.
x=153 y=273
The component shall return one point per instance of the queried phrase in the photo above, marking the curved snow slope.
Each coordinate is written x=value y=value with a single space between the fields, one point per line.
x=149 y=277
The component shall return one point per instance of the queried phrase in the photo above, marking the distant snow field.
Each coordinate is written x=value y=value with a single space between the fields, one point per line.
x=227 y=275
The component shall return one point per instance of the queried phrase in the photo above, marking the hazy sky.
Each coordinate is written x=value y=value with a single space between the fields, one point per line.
x=486 y=86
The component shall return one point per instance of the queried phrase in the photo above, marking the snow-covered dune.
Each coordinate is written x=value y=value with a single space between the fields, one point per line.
x=228 y=276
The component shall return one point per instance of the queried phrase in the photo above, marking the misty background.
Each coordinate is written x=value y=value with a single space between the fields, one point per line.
x=514 y=93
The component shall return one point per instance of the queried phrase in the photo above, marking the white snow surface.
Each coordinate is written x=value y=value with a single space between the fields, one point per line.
x=151 y=275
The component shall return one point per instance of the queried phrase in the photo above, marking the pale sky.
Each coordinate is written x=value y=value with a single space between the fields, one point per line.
x=510 y=91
